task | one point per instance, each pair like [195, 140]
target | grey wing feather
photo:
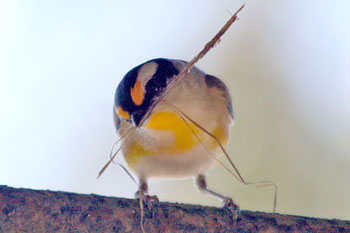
[212, 81]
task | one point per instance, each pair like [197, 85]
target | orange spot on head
[137, 94]
[121, 112]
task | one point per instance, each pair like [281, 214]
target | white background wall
[286, 64]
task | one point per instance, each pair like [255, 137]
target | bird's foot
[234, 208]
[148, 200]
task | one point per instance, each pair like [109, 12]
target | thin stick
[111, 153]
[258, 184]
[115, 154]
[142, 211]
[205, 147]
[127, 172]
[189, 65]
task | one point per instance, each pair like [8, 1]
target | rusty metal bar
[25, 210]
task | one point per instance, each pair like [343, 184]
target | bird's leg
[227, 202]
[147, 199]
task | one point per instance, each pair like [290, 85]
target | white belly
[192, 163]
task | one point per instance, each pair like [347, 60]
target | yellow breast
[185, 137]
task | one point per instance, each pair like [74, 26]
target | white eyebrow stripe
[145, 73]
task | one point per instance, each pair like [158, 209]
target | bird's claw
[229, 204]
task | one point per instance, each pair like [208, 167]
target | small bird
[171, 140]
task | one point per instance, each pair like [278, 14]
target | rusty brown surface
[25, 210]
